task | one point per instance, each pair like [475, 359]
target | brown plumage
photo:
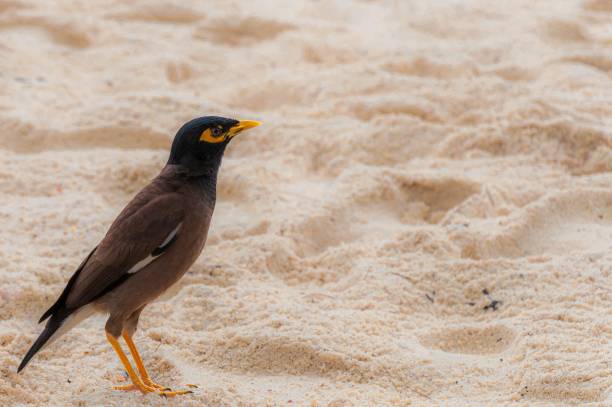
[148, 248]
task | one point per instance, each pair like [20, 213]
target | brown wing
[140, 228]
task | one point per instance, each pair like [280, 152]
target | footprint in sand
[278, 355]
[412, 200]
[569, 223]
[470, 340]
[564, 32]
[562, 224]
[565, 388]
[66, 35]
[581, 148]
[241, 31]
[379, 209]
[437, 196]
[159, 13]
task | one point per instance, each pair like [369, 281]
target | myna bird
[149, 247]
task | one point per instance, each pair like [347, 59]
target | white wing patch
[171, 236]
[141, 264]
[156, 253]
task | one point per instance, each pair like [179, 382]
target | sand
[425, 217]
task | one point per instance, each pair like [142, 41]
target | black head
[200, 143]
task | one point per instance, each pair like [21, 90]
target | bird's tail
[53, 324]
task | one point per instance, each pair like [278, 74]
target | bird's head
[200, 143]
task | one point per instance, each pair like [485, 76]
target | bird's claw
[166, 394]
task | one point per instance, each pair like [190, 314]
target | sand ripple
[424, 219]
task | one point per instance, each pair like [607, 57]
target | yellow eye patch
[207, 136]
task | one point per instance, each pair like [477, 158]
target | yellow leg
[146, 379]
[137, 383]
[146, 382]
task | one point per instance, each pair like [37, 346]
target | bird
[151, 244]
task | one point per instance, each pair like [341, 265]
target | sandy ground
[424, 219]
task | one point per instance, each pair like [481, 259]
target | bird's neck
[201, 177]
[204, 179]
[207, 183]
[193, 167]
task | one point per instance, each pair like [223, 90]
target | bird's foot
[143, 388]
[157, 389]
[167, 391]
[147, 381]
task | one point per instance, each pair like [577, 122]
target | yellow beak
[242, 125]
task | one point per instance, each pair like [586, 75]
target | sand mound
[424, 219]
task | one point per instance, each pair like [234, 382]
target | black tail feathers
[54, 323]
[57, 313]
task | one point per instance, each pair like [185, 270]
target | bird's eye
[213, 135]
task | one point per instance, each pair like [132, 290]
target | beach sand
[425, 217]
